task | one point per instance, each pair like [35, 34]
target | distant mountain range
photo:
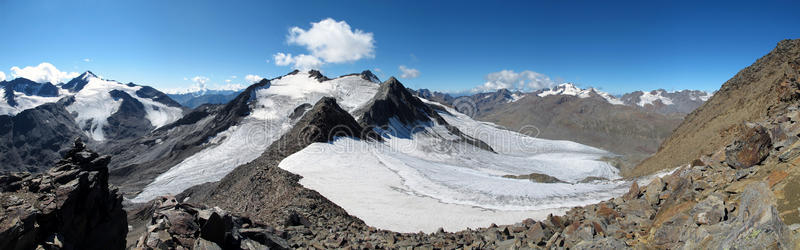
[632, 125]
[206, 96]
[660, 100]
[41, 119]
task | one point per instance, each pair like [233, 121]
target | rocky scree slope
[762, 90]
[68, 207]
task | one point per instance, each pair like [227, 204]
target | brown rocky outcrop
[176, 225]
[68, 207]
[750, 149]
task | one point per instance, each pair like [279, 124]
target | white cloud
[185, 79]
[408, 72]
[327, 41]
[228, 80]
[230, 86]
[508, 79]
[252, 78]
[201, 81]
[301, 62]
[2, 76]
[334, 42]
[44, 72]
[234, 77]
[87, 60]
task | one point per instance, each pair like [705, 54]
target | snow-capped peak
[571, 89]
[565, 89]
[652, 96]
[87, 75]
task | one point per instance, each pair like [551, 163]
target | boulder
[750, 149]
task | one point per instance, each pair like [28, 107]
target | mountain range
[632, 126]
[42, 118]
[307, 161]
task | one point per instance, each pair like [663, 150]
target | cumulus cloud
[201, 81]
[42, 73]
[327, 41]
[87, 60]
[252, 78]
[334, 42]
[2, 76]
[230, 86]
[406, 72]
[301, 62]
[508, 79]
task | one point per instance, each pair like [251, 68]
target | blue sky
[617, 47]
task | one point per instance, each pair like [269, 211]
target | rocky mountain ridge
[68, 207]
[760, 91]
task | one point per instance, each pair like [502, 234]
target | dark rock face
[318, 75]
[68, 207]
[323, 123]
[536, 177]
[177, 225]
[394, 101]
[129, 121]
[366, 75]
[752, 148]
[151, 93]
[77, 83]
[36, 138]
[29, 87]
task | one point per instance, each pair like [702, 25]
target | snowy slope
[94, 105]
[269, 119]
[23, 102]
[433, 184]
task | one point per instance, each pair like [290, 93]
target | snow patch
[650, 98]
[23, 102]
[423, 181]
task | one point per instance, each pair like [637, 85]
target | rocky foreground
[68, 207]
